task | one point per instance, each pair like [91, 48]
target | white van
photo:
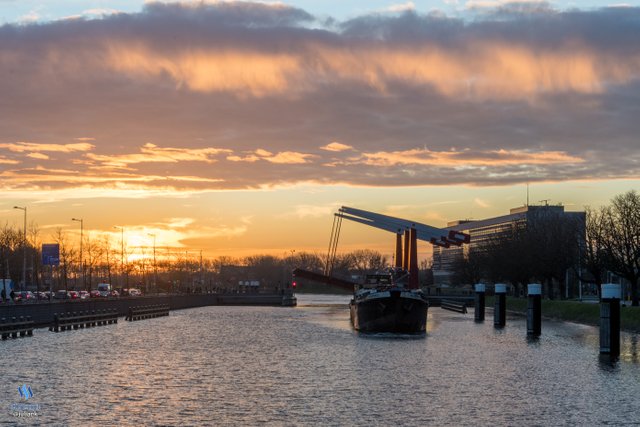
[104, 289]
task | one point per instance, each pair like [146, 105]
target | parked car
[42, 295]
[94, 293]
[114, 293]
[61, 294]
[105, 289]
[27, 296]
[74, 295]
[84, 294]
[133, 292]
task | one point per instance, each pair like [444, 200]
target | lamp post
[24, 248]
[121, 250]
[155, 267]
[80, 220]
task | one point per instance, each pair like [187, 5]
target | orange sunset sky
[238, 128]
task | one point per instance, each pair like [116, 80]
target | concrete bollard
[534, 309]
[479, 302]
[500, 306]
[610, 320]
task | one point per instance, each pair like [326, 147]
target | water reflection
[608, 363]
[306, 366]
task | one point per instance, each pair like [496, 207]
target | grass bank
[575, 311]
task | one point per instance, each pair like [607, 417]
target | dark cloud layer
[240, 95]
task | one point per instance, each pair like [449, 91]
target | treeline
[168, 270]
[552, 247]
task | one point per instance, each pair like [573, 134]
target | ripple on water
[306, 366]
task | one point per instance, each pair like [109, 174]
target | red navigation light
[294, 284]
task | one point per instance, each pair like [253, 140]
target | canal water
[306, 366]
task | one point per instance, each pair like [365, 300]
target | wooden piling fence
[147, 312]
[83, 319]
[16, 327]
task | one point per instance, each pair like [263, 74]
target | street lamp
[121, 249]
[80, 220]
[155, 268]
[24, 248]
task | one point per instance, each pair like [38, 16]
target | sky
[239, 128]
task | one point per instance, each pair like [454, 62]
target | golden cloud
[28, 147]
[289, 157]
[464, 158]
[252, 73]
[336, 147]
[38, 156]
[483, 70]
[151, 153]
[284, 157]
[5, 161]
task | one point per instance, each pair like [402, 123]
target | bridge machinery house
[482, 231]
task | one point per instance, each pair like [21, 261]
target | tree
[66, 256]
[622, 239]
[368, 261]
[593, 254]
[93, 254]
[468, 269]
[508, 256]
[34, 253]
[10, 240]
[551, 243]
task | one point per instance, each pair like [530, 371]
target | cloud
[5, 161]
[285, 157]
[401, 7]
[312, 211]
[22, 147]
[38, 156]
[201, 96]
[99, 12]
[336, 146]
[481, 203]
[465, 158]
[150, 153]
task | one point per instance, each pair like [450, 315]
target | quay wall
[42, 312]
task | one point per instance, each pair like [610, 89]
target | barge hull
[391, 314]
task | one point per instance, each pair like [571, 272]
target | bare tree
[368, 261]
[34, 242]
[93, 254]
[593, 256]
[469, 268]
[622, 239]
[67, 255]
[508, 256]
[552, 244]
[10, 240]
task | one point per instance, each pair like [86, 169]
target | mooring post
[479, 306]
[534, 309]
[500, 306]
[610, 320]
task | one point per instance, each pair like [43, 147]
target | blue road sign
[50, 254]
